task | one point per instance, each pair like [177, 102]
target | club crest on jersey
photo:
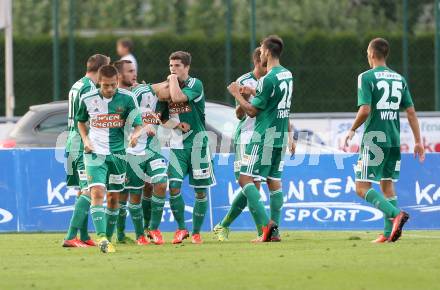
[119, 109]
[179, 108]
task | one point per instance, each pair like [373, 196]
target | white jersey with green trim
[147, 101]
[245, 127]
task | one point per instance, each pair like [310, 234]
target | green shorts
[373, 167]
[263, 162]
[106, 170]
[239, 151]
[195, 162]
[151, 168]
[76, 173]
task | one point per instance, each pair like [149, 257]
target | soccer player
[127, 78]
[189, 151]
[144, 159]
[263, 156]
[110, 112]
[242, 136]
[76, 176]
[124, 48]
[381, 93]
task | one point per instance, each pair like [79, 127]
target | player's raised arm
[177, 96]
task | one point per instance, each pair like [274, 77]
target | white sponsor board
[333, 130]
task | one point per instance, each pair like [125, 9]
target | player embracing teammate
[262, 158]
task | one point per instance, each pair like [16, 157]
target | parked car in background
[45, 125]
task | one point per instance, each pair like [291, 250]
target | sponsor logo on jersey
[151, 118]
[107, 121]
[179, 108]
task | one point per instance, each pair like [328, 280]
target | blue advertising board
[319, 194]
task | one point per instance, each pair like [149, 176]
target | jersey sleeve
[133, 111]
[364, 90]
[264, 90]
[194, 92]
[406, 97]
[83, 114]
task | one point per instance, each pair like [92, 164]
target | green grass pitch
[303, 260]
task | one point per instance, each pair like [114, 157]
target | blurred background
[325, 44]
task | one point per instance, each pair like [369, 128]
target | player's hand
[184, 127]
[246, 92]
[133, 141]
[172, 77]
[419, 151]
[150, 130]
[88, 147]
[348, 137]
[234, 88]
[292, 146]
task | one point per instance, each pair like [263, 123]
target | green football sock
[136, 216]
[157, 203]
[84, 230]
[177, 205]
[258, 223]
[146, 209]
[98, 216]
[120, 223]
[388, 224]
[256, 207]
[111, 215]
[199, 212]
[276, 203]
[238, 205]
[379, 201]
[82, 206]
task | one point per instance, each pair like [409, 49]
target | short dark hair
[185, 57]
[274, 44]
[256, 54]
[127, 43]
[119, 64]
[96, 61]
[107, 71]
[380, 47]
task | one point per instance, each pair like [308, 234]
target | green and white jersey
[81, 87]
[107, 118]
[245, 127]
[273, 99]
[147, 102]
[385, 91]
[191, 112]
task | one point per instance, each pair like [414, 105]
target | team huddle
[113, 150]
